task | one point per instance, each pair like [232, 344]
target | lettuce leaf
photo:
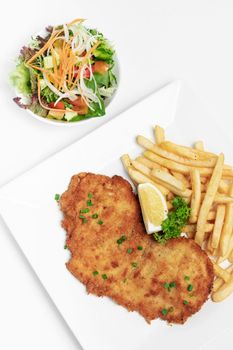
[36, 108]
[104, 52]
[49, 95]
[20, 79]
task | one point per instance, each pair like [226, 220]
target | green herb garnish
[134, 264]
[100, 222]
[95, 216]
[95, 273]
[90, 195]
[168, 286]
[83, 211]
[104, 276]
[121, 240]
[89, 203]
[65, 246]
[185, 302]
[129, 250]
[186, 278]
[140, 247]
[57, 197]
[81, 217]
[176, 220]
[85, 221]
[172, 285]
[190, 287]
[164, 312]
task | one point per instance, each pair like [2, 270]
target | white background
[156, 42]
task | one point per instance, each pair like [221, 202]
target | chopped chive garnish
[190, 287]
[185, 302]
[95, 273]
[95, 216]
[186, 278]
[81, 217]
[134, 264]
[100, 222]
[65, 246]
[57, 197]
[166, 285]
[121, 240]
[85, 221]
[129, 250]
[89, 203]
[104, 276]
[139, 247]
[164, 312]
[90, 195]
[172, 285]
[83, 211]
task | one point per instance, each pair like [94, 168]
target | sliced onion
[66, 32]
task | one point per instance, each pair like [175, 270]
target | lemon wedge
[153, 205]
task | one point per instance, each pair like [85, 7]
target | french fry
[141, 167]
[199, 145]
[220, 258]
[220, 198]
[187, 152]
[126, 161]
[218, 225]
[169, 205]
[230, 258]
[220, 272]
[227, 227]
[196, 195]
[208, 199]
[140, 178]
[211, 216]
[149, 163]
[170, 182]
[224, 291]
[169, 179]
[219, 281]
[182, 178]
[223, 187]
[192, 228]
[159, 134]
[147, 144]
[181, 168]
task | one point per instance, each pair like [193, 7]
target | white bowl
[107, 101]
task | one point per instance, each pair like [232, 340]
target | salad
[66, 75]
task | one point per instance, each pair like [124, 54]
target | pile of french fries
[206, 183]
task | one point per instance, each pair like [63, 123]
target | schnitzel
[113, 256]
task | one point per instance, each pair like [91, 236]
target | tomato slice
[58, 105]
[79, 105]
[100, 67]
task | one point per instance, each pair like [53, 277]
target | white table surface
[157, 42]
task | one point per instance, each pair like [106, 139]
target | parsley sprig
[176, 220]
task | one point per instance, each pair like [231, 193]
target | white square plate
[28, 207]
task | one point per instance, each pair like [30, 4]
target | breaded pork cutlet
[113, 256]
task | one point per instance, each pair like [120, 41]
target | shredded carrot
[77, 20]
[42, 105]
[45, 47]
